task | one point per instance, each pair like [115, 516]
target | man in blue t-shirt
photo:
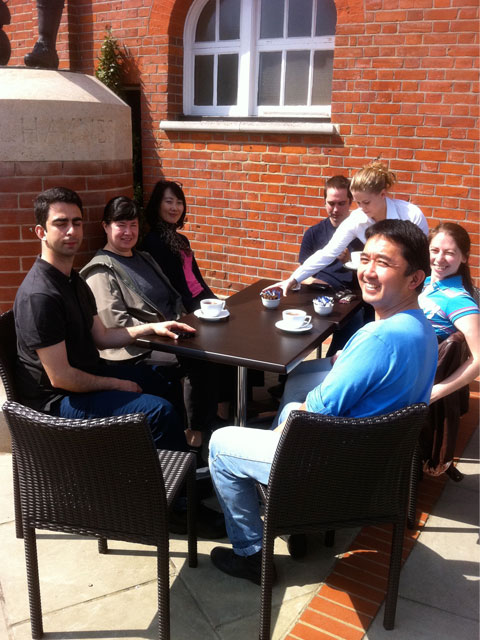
[388, 364]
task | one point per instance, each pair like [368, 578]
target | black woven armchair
[101, 478]
[439, 437]
[330, 473]
[436, 447]
[8, 357]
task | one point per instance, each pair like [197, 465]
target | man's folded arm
[63, 376]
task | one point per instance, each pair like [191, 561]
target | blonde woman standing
[369, 187]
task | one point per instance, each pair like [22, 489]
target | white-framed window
[263, 58]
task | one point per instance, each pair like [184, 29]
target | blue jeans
[239, 457]
[300, 382]
[162, 418]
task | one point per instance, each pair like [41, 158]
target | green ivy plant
[110, 63]
[110, 71]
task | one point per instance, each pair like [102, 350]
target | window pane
[206, 24]
[299, 18]
[271, 18]
[269, 78]
[229, 19]
[326, 18]
[203, 80]
[227, 79]
[296, 77]
[322, 77]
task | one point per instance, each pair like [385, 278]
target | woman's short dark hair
[120, 208]
[152, 211]
[412, 241]
[462, 240]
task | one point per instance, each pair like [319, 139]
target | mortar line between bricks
[356, 580]
[306, 624]
[338, 604]
[332, 617]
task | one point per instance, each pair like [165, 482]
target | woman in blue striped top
[448, 300]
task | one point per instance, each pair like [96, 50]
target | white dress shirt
[354, 227]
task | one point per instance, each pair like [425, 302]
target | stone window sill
[244, 126]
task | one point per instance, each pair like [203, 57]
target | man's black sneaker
[297, 545]
[246, 567]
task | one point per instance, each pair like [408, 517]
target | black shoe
[297, 545]
[210, 523]
[454, 474]
[246, 567]
[277, 390]
[42, 56]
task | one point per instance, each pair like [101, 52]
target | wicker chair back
[331, 472]
[8, 353]
[100, 477]
[439, 437]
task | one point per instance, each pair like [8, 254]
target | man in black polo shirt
[58, 330]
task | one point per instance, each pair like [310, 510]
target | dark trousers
[161, 393]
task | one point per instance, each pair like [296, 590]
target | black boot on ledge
[42, 56]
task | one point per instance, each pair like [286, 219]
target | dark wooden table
[248, 338]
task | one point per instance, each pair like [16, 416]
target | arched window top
[259, 58]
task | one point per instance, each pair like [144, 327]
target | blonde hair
[373, 178]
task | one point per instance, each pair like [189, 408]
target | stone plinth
[57, 116]
[57, 128]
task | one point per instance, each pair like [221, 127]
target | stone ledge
[242, 126]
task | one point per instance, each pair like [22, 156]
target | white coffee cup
[212, 307]
[295, 318]
[355, 256]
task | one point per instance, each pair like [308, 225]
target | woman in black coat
[165, 212]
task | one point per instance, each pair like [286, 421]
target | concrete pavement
[86, 595]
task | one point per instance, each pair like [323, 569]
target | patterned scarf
[174, 241]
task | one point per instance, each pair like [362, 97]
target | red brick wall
[20, 182]
[405, 88]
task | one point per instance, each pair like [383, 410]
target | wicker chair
[8, 356]
[331, 473]
[439, 437]
[99, 478]
[435, 450]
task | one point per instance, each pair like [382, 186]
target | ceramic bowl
[270, 304]
[322, 310]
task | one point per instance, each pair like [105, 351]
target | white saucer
[223, 314]
[283, 326]
[351, 265]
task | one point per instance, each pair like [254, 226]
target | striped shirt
[444, 302]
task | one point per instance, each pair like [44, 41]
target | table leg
[241, 406]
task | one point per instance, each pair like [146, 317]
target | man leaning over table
[388, 364]
[338, 200]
